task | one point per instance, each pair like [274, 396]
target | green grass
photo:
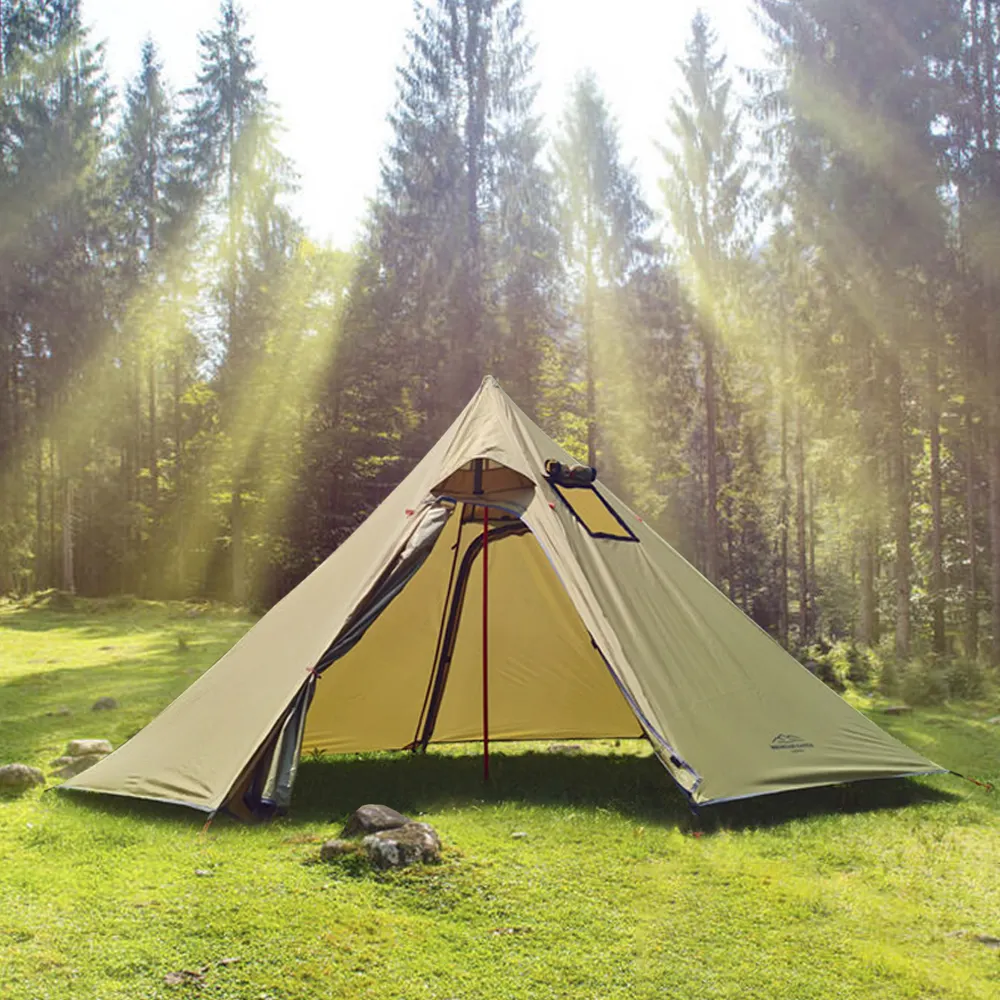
[874, 890]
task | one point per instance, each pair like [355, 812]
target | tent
[501, 593]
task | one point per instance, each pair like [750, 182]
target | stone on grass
[15, 779]
[405, 845]
[565, 748]
[371, 819]
[184, 977]
[995, 721]
[337, 848]
[989, 940]
[897, 710]
[77, 765]
[104, 704]
[62, 710]
[77, 748]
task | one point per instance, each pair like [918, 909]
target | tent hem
[818, 784]
[140, 798]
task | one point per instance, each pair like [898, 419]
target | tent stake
[486, 674]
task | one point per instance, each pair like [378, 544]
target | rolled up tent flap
[270, 790]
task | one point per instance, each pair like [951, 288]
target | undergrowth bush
[843, 664]
[931, 682]
[924, 683]
[966, 679]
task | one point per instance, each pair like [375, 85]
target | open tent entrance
[416, 677]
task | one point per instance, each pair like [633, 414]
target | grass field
[875, 890]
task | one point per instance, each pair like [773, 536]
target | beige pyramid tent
[596, 628]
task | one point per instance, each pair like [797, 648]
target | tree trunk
[588, 340]
[711, 472]
[68, 574]
[731, 587]
[867, 618]
[179, 478]
[972, 584]
[135, 489]
[151, 247]
[475, 125]
[813, 621]
[783, 510]
[237, 359]
[800, 524]
[901, 505]
[989, 384]
[993, 450]
[238, 552]
[936, 587]
[154, 465]
[39, 510]
[53, 572]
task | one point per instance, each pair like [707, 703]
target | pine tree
[57, 223]
[861, 90]
[147, 168]
[706, 193]
[603, 218]
[224, 131]
[458, 269]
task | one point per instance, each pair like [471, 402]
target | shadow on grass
[328, 790]
[637, 787]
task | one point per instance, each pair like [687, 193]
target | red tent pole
[486, 673]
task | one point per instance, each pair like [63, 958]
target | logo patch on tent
[787, 741]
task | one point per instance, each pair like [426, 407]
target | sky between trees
[352, 49]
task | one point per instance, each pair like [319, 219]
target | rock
[78, 765]
[897, 710]
[61, 761]
[372, 819]
[62, 710]
[566, 748]
[405, 845]
[518, 835]
[16, 779]
[103, 704]
[988, 940]
[995, 721]
[337, 848]
[77, 748]
[185, 976]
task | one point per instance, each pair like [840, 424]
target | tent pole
[486, 675]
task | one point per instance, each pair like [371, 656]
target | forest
[786, 360]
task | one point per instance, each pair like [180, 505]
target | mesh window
[594, 512]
